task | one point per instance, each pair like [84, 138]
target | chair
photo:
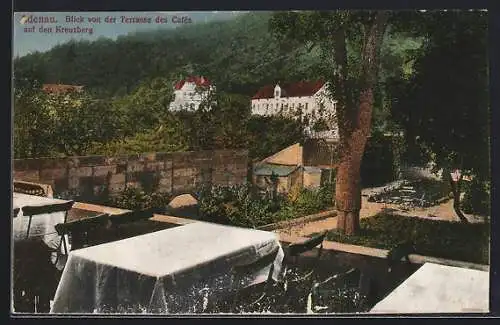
[295, 278]
[82, 231]
[242, 286]
[130, 216]
[118, 221]
[295, 250]
[399, 252]
[15, 212]
[31, 211]
[350, 291]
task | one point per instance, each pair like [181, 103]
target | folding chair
[82, 231]
[31, 211]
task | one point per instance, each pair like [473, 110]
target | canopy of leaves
[445, 104]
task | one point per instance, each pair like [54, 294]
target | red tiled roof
[298, 89]
[199, 81]
[59, 88]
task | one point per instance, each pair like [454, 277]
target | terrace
[357, 272]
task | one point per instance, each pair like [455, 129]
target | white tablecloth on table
[435, 288]
[161, 272]
[42, 226]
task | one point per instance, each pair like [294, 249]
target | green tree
[444, 105]
[146, 106]
[352, 40]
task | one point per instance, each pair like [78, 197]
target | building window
[267, 106]
[307, 104]
[281, 105]
[277, 93]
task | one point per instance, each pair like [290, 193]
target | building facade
[190, 93]
[299, 99]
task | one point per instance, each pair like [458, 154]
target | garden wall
[102, 176]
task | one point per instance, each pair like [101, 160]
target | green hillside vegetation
[239, 55]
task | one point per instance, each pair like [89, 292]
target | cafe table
[165, 272]
[42, 226]
[436, 288]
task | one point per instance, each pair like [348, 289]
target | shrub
[137, 199]
[244, 206]
[451, 240]
[477, 198]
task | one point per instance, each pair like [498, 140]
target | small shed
[287, 176]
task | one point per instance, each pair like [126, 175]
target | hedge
[437, 238]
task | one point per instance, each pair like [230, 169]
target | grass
[444, 239]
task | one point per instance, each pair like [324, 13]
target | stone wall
[93, 176]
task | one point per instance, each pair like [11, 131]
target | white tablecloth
[160, 272]
[437, 288]
[42, 226]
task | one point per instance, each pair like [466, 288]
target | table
[42, 226]
[160, 272]
[435, 288]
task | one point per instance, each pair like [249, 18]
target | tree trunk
[355, 124]
[455, 187]
[348, 184]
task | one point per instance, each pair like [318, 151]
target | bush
[244, 206]
[451, 240]
[477, 198]
[137, 199]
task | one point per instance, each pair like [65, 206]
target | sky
[45, 30]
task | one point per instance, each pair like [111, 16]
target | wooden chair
[350, 291]
[293, 253]
[119, 222]
[84, 232]
[31, 211]
[243, 287]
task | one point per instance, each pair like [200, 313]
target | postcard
[251, 162]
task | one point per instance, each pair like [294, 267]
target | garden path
[443, 211]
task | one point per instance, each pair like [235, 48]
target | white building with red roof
[190, 92]
[309, 98]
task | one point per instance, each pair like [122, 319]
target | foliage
[477, 197]
[137, 199]
[244, 206]
[67, 124]
[451, 240]
[168, 137]
[146, 106]
[270, 134]
[378, 161]
[444, 105]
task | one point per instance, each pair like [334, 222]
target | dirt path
[444, 211]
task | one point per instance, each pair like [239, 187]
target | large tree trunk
[355, 123]
[348, 184]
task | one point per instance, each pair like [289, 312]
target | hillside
[239, 55]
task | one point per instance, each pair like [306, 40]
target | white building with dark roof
[309, 98]
[190, 92]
